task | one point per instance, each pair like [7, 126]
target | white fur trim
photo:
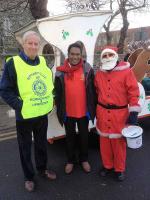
[108, 51]
[135, 109]
[123, 67]
[109, 135]
[114, 135]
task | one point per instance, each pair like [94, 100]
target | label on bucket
[134, 143]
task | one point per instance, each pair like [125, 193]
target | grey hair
[28, 33]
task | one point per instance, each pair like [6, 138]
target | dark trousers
[38, 127]
[70, 128]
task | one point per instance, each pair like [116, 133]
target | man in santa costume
[118, 95]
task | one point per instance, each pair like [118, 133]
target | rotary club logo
[39, 88]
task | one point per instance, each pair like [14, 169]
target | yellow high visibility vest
[35, 84]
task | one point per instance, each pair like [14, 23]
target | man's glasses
[108, 55]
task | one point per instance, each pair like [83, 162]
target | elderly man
[27, 86]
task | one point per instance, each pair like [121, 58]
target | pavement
[78, 185]
[7, 119]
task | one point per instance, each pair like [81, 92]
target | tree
[10, 6]
[38, 8]
[80, 5]
[119, 8]
[13, 15]
[9, 9]
[125, 6]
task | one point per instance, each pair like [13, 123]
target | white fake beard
[109, 63]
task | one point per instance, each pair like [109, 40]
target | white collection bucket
[133, 136]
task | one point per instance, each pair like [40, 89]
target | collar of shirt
[34, 62]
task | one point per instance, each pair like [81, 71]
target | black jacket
[59, 92]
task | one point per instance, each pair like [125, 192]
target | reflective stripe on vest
[7, 59]
[35, 84]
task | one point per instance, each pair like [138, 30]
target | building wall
[136, 38]
[141, 34]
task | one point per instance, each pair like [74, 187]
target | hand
[133, 118]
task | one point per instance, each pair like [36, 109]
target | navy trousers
[37, 126]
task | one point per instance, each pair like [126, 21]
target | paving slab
[78, 185]
[7, 119]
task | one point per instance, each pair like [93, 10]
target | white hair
[29, 33]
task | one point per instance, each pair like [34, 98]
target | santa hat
[110, 49]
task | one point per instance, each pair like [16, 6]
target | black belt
[111, 106]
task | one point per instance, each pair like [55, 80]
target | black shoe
[104, 172]
[120, 176]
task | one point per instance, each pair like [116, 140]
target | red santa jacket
[116, 87]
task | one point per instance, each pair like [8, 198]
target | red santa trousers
[113, 153]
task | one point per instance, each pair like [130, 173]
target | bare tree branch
[119, 8]
[14, 6]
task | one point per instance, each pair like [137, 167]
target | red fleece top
[75, 90]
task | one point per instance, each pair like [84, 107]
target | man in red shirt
[118, 96]
[75, 102]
